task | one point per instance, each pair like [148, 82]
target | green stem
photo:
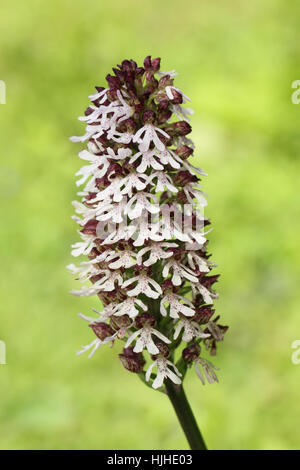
[185, 416]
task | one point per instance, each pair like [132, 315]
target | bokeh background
[237, 60]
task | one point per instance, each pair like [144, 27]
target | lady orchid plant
[142, 229]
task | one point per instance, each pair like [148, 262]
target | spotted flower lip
[140, 218]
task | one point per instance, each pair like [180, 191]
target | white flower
[96, 344]
[90, 130]
[115, 112]
[102, 257]
[182, 112]
[107, 312]
[163, 371]
[128, 307]
[206, 294]
[106, 284]
[180, 272]
[168, 157]
[87, 212]
[191, 330]
[84, 247]
[121, 154]
[143, 285]
[120, 137]
[96, 161]
[124, 259]
[192, 194]
[172, 73]
[156, 252]
[144, 340]
[196, 262]
[163, 181]
[178, 304]
[196, 235]
[150, 135]
[110, 211]
[140, 202]
[147, 161]
[112, 191]
[126, 111]
[141, 230]
[84, 271]
[121, 232]
[99, 94]
[208, 369]
[171, 223]
[133, 181]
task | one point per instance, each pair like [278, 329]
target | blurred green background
[237, 60]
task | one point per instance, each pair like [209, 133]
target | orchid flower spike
[141, 225]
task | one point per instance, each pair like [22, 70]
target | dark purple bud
[208, 281]
[88, 111]
[103, 141]
[114, 170]
[164, 197]
[140, 269]
[184, 152]
[181, 197]
[184, 177]
[119, 74]
[112, 94]
[155, 64]
[215, 330]
[191, 353]
[90, 228]
[102, 330]
[164, 116]
[148, 117]
[147, 63]
[164, 351]
[163, 105]
[113, 82]
[166, 80]
[177, 97]
[151, 86]
[139, 71]
[128, 65]
[129, 125]
[145, 319]
[119, 322]
[132, 361]
[178, 253]
[203, 314]
[178, 128]
[129, 79]
[167, 285]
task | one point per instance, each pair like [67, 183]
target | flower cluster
[142, 227]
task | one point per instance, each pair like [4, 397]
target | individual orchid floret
[144, 284]
[149, 133]
[156, 252]
[203, 367]
[130, 307]
[164, 368]
[177, 305]
[147, 160]
[191, 330]
[180, 272]
[141, 227]
[143, 335]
